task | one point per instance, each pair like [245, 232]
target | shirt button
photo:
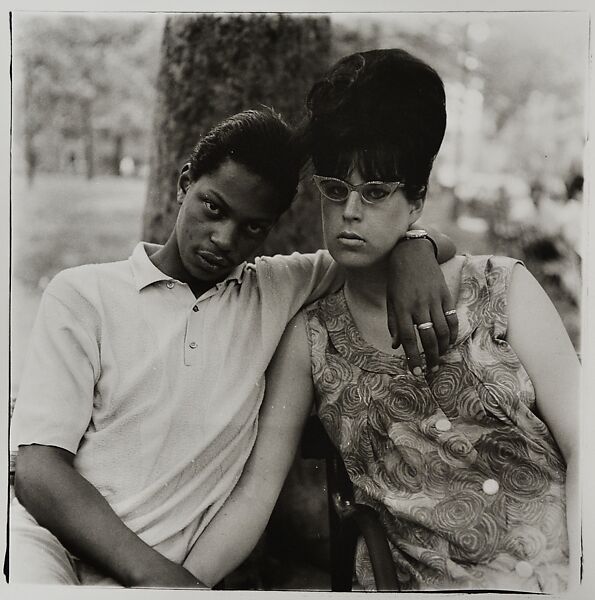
[524, 569]
[443, 425]
[195, 308]
[193, 345]
[490, 487]
[170, 284]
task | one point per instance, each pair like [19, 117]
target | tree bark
[30, 152]
[214, 66]
[117, 154]
[86, 110]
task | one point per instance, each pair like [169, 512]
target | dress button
[524, 569]
[195, 308]
[193, 345]
[443, 425]
[490, 487]
[170, 284]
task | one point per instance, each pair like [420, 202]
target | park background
[106, 108]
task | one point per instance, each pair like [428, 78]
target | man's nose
[224, 236]
[353, 207]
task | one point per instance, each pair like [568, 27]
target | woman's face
[359, 234]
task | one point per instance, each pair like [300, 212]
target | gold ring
[426, 325]
[450, 312]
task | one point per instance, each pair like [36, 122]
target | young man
[139, 402]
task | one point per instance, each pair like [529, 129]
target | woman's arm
[536, 333]
[237, 527]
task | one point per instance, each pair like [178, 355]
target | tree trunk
[30, 152]
[117, 154]
[214, 66]
[86, 110]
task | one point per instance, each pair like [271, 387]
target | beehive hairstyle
[383, 111]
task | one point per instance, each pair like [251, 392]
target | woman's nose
[353, 207]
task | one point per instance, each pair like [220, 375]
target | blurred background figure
[127, 166]
[106, 109]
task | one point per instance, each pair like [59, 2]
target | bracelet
[420, 234]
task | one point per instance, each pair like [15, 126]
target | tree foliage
[81, 79]
[524, 79]
[87, 81]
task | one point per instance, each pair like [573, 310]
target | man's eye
[254, 229]
[211, 207]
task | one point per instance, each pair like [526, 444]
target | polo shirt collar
[145, 273]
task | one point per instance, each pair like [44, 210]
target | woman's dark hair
[261, 141]
[382, 110]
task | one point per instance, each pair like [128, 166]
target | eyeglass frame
[393, 186]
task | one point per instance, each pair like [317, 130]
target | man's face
[224, 218]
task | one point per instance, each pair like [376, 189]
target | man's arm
[52, 413]
[64, 502]
[417, 293]
[446, 247]
[237, 527]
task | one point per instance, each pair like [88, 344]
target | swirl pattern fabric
[468, 480]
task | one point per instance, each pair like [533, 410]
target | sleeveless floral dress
[468, 481]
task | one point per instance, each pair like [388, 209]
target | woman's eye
[376, 193]
[335, 191]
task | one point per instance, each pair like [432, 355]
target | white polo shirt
[155, 391]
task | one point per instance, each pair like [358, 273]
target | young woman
[472, 468]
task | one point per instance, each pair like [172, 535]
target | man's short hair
[261, 141]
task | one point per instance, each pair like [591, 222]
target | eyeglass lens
[338, 190]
